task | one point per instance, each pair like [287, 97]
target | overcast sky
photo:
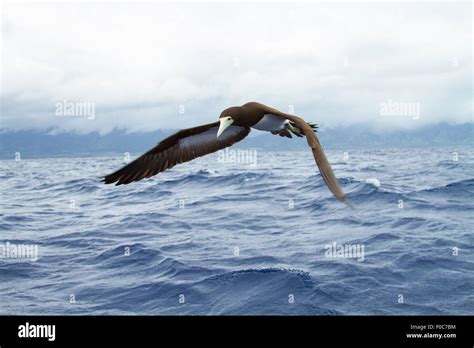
[137, 63]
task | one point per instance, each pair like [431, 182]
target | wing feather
[183, 146]
[318, 153]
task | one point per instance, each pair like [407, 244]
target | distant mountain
[46, 144]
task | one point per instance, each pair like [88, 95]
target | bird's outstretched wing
[183, 146]
[318, 154]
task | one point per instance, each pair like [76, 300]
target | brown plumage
[235, 124]
[174, 150]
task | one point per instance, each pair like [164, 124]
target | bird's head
[225, 121]
[228, 117]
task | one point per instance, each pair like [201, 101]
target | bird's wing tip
[106, 180]
[348, 203]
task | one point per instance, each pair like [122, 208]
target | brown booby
[234, 124]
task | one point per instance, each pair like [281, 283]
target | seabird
[234, 125]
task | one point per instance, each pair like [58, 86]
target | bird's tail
[297, 130]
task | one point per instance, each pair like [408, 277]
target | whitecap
[373, 181]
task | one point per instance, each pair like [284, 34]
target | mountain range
[51, 143]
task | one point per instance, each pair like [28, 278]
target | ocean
[241, 233]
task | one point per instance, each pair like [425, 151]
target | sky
[149, 66]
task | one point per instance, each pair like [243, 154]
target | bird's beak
[225, 122]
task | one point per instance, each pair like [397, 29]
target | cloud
[141, 64]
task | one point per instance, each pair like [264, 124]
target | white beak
[225, 122]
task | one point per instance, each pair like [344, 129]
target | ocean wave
[379, 238]
[132, 249]
[453, 189]
[76, 186]
[214, 177]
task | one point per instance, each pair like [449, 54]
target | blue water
[183, 228]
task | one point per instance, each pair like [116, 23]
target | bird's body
[270, 123]
[234, 124]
